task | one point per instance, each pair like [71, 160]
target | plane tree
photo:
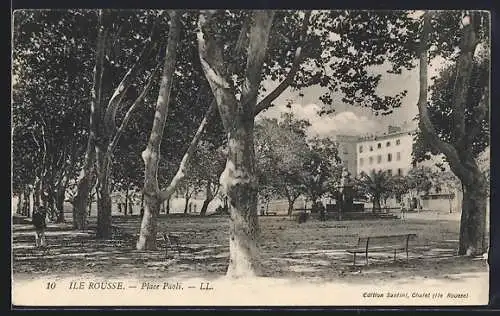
[454, 120]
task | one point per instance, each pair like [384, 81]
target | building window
[388, 144]
[371, 148]
[398, 156]
[379, 145]
[398, 141]
[360, 161]
[389, 157]
[371, 159]
[379, 158]
[400, 172]
[361, 148]
[389, 172]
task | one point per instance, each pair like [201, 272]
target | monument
[345, 200]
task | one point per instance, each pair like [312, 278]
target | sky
[351, 119]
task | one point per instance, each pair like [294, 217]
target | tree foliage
[442, 114]
[420, 179]
[377, 185]
[280, 151]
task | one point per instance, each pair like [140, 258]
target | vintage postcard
[250, 157]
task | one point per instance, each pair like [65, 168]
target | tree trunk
[126, 201]
[238, 178]
[25, 201]
[81, 202]
[103, 214]
[472, 240]
[241, 189]
[51, 203]
[104, 218]
[186, 202]
[168, 206]
[208, 198]
[204, 207]
[59, 201]
[152, 200]
[458, 153]
[376, 204]
[86, 179]
[37, 193]
[30, 197]
[20, 202]
[290, 207]
[90, 200]
[130, 206]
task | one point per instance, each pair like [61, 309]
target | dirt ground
[303, 264]
[313, 250]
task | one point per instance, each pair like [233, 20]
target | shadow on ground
[313, 250]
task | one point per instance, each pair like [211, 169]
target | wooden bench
[380, 244]
[271, 213]
[169, 240]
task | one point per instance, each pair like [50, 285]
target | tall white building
[391, 152]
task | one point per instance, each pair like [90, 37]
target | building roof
[386, 136]
[347, 138]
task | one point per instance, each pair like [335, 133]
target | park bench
[381, 244]
[271, 213]
[169, 240]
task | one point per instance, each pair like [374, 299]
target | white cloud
[346, 122]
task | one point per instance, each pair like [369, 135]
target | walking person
[322, 212]
[403, 210]
[39, 221]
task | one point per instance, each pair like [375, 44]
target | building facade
[389, 152]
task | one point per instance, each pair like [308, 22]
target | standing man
[403, 210]
[322, 212]
[39, 221]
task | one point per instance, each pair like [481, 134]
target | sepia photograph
[250, 157]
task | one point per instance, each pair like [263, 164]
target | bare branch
[241, 39]
[258, 41]
[213, 66]
[95, 105]
[150, 45]
[151, 154]
[181, 172]
[128, 115]
[468, 43]
[217, 187]
[425, 123]
[299, 56]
